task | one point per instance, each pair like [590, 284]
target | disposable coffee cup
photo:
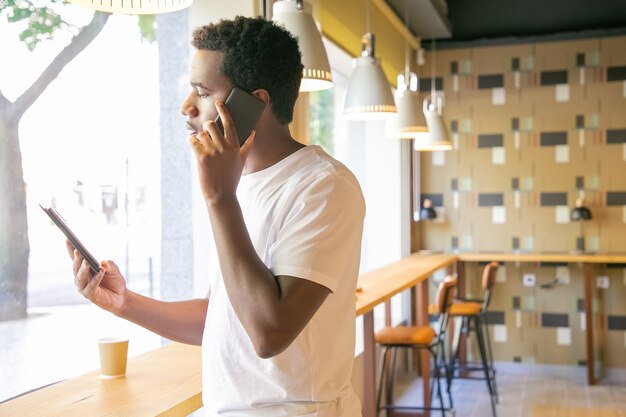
[113, 354]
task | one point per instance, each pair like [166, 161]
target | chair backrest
[443, 301]
[445, 294]
[489, 279]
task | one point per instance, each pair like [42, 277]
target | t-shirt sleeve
[321, 231]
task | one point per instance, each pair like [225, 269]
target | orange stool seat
[468, 308]
[405, 335]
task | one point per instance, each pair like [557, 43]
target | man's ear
[262, 95]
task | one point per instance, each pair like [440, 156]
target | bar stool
[473, 314]
[417, 337]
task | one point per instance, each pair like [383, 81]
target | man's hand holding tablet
[100, 283]
[71, 237]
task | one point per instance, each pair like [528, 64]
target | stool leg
[492, 368]
[392, 375]
[483, 355]
[448, 375]
[459, 325]
[383, 371]
[436, 374]
[445, 363]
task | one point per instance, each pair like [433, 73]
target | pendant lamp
[369, 93]
[438, 138]
[296, 16]
[134, 7]
[411, 123]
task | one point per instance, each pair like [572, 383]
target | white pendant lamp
[411, 123]
[438, 138]
[136, 6]
[369, 93]
[296, 16]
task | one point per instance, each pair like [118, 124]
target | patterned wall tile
[490, 140]
[553, 77]
[490, 199]
[495, 317]
[553, 138]
[616, 322]
[616, 198]
[425, 84]
[616, 73]
[554, 320]
[553, 199]
[615, 136]
[490, 81]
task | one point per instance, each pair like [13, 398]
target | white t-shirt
[305, 218]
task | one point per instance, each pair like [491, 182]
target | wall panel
[539, 147]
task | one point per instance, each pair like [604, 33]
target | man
[277, 327]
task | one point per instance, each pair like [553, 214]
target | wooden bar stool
[417, 337]
[473, 314]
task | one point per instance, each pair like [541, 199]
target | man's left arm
[272, 309]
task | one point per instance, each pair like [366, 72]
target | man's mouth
[190, 129]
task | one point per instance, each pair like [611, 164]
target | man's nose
[188, 108]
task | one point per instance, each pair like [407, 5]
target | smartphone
[245, 110]
[60, 223]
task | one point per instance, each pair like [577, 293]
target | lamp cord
[367, 15]
[406, 44]
[433, 79]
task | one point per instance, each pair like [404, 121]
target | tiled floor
[521, 386]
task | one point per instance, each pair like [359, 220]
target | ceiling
[468, 23]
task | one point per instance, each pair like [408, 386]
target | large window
[90, 148]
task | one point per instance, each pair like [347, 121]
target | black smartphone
[245, 110]
[60, 223]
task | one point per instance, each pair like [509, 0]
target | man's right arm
[181, 321]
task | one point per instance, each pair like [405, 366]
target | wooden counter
[377, 286]
[565, 257]
[164, 382]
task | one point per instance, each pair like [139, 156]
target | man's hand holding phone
[219, 156]
[106, 288]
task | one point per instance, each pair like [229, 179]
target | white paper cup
[113, 354]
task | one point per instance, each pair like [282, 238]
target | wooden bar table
[164, 382]
[587, 260]
[378, 286]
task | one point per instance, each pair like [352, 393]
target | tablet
[60, 223]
